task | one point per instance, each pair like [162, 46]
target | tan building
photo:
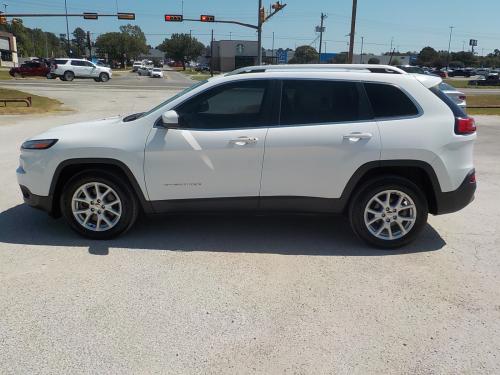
[8, 49]
[234, 54]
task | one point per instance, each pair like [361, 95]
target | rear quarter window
[389, 101]
[457, 111]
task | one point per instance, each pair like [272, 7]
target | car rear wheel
[69, 76]
[99, 205]
[388, 213]
[104, 77]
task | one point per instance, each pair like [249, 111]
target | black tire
[129, 204]
[104, 77]
[69, 76]
[364, 195]
[97, 80]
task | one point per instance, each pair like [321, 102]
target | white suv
[69, 69]
[381, 145]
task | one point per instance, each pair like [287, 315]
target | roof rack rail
[367, 68]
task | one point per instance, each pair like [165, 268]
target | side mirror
[170, 118]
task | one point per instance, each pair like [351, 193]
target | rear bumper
[36, 201]
[453, 201]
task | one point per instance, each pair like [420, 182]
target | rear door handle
[356, 136]
[241, 141]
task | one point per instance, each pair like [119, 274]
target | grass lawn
[197, 76]
[486, 100]
[4, 74]
[40, 104]
[464, 84]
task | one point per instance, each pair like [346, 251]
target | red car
[30, 69]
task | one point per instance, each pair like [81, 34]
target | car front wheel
[99, 205]
[388, 213]
[104, 77]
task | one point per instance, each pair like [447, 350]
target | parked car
[30, 69]
[459, 73]
[482, 72]
[371, 141]
[439, 73]
[492, 79]
[144, 71]
[68, 69]
[457, 96]
[412, 69]
[136, 66]
[202, 68]
[157, 73]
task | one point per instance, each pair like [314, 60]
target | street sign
[90, 16]
[320, 29]
[473, 42]
[281, 56]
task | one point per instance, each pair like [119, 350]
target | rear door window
[388, 101]
[315, 102]
[60, 62]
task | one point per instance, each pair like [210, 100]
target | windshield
[171, 99]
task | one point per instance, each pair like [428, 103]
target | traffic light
[126, 16]
[173, 18]
[278, 6]
[90, 16]
[3, 19]
[207, 18]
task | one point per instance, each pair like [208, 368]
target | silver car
[457, 96]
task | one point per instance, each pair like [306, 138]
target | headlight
[38, 144]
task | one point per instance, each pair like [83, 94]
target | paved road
[124, 81]
[236, 294]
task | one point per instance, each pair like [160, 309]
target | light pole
[5, 7]
[361, 53]
[449, 48]
[67, 27]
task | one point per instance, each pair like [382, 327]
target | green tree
[79, 37]
[129, 43]
[395, 61]
[182, 47]
[304, 55]
[373, 60]
[427, 56]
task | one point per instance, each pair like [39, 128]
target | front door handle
[241, 141]
[356, 136]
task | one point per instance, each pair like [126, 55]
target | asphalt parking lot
[238, 294]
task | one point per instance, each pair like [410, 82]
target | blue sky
[411, 24]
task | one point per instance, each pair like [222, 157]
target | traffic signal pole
[259, 34]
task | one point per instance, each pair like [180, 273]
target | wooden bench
[16, 100]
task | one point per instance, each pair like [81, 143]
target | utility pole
[259, 34]
[5, 7]
[392, 42]
[361, 54]
[353, 30]
[212, 55]
[449, 48]
[321, 29]
[272, 49]
[67, 28]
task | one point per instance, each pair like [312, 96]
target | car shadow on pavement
[272, 234]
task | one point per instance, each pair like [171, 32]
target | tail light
[462, 97]
[472, 178]
[464, 126]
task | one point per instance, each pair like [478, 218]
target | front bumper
[36, 201]
[453, 201]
